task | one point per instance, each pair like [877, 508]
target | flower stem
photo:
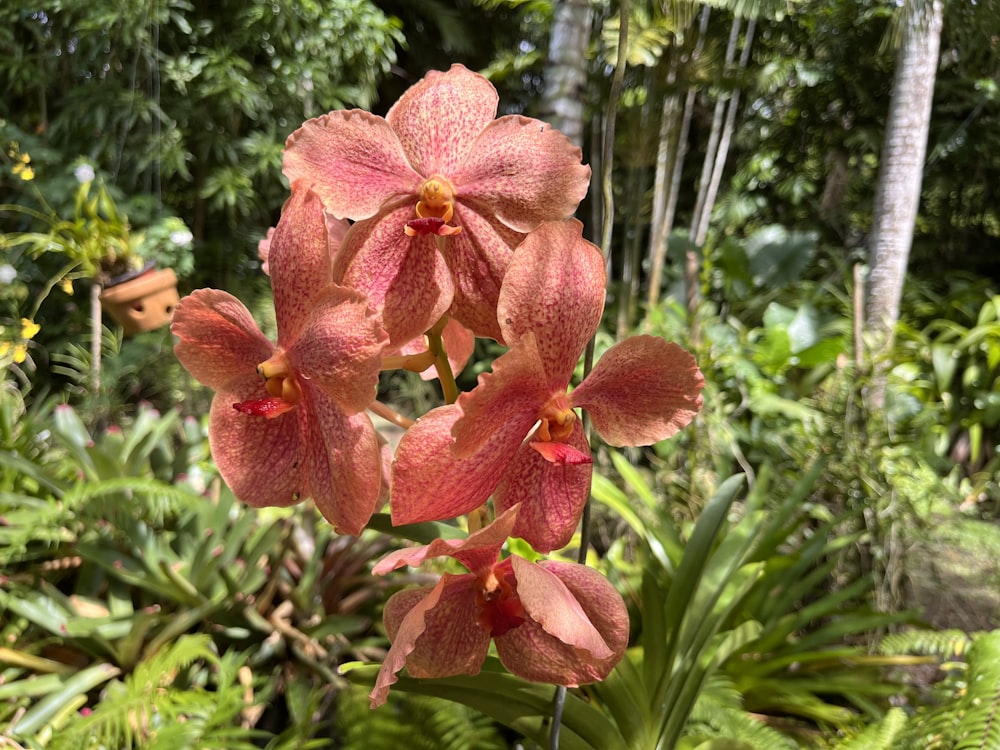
[435, 344]
[412, 362]
[390, 415]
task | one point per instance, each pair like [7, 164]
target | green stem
[435, 344]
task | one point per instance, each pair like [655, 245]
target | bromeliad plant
[461, 220]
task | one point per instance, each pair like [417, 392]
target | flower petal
[559, 643]
[642, 390]
[600, 600]
[554, 287]
[551, 495]
[478, 553]
[262, 460]
[582, 626]
[478, 258]
[353, 160]
[405, 278]
[344, 463]
[525, 171]
[339, 349]
[218, 339]
[505, 402]
[298, 260]
[431, 484]
[434, 633]
[438, 118]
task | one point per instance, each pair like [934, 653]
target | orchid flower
[552, 622]
[288, 421]
[441, 192]
[516, 435]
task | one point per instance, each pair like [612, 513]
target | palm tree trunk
[566, 68]
[711, 177]
[901, 164]
[725, 140]
[675, 124]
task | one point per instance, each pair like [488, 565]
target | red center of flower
[282, 388]
[499, 608]
[557, 419]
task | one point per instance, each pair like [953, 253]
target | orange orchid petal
[550, 496]
[644, 389]
[554, 288]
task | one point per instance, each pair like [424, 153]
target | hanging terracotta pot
[142, 301]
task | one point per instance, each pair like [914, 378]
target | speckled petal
[298, 260]
[525, 171]
[353, 160]
[218, 339]
[642, 390]
[339, 349]
[405, 278]
[554, 287]
[601, 602]
[438, 119]
[478, 258]
[535, 652]
[506, 401]
[551, 496]
[478, 552]
[261, 459]
[344, 463]
[434, 633]
[431, 484]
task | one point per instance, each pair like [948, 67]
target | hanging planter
[143, 300]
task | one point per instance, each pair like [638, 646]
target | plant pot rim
[129, 275]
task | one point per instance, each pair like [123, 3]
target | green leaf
[72, 687]
[523, 706]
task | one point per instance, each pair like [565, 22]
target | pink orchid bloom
[552, 622]
[442, 191]
[288, 421]
[642, 390]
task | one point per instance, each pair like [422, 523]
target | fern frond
[946, 644]
[980, 726]
[413, 721]
[718, 714]
[880, 736]
[104, 499]
[148, 709]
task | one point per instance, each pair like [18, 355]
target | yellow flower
[20, 353]
[67, 286]
[29, 328]
[21, 168]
